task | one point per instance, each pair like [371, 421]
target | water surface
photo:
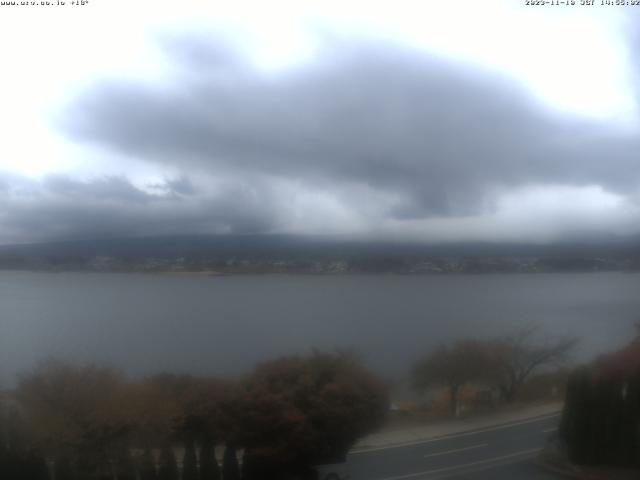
[223, 325]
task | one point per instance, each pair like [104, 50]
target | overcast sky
[430, 121]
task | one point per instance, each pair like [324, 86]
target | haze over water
[223, 325]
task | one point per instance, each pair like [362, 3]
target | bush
[298, 411]
[602, 411]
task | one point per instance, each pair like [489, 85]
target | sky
[408, 120]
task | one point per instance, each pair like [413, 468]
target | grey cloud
[64, 208]
[201, 53]
[104, 188]
[181, 186]
[443, 135]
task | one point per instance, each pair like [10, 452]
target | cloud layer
[367, 138]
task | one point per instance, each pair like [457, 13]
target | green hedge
[601, 419]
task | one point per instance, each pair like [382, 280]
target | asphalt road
[501, 452]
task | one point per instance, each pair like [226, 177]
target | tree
[180, 408]
[29, 465]
[517, 356]
[16, 444]
[201, 404]
[621, 364]
[209, 469]
[602, 409]
[230, 467]
[62, 468]
[168, 469]
[77, 410]
[147, 468]
[250, 471]
[452, 367]
[190, 462]
[297, 411]
[124, 465]
[154, 412]
[33, 467]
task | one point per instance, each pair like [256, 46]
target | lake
[223, 325]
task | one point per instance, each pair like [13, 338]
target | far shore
[216, 273]
[203, 273]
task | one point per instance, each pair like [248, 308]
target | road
[496, 453]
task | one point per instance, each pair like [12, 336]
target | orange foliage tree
[297, 411]
[77, 411]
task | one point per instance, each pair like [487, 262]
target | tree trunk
[230, 467]
[190, 462]
[453, 401]
[168, 465]
[124, 465]
[508, 393]
[209, 469]
[63, 468]
[147, 466]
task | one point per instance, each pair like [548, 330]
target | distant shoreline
[215, 274]
[203, 273]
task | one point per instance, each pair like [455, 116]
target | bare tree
[517, 356]
[452, 367]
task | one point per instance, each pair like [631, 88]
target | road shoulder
[400, 437]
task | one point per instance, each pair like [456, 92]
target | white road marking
[456, 450]
[522, 453]
[456, 435]
[547, 430]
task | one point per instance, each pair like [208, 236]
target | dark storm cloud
[442, 135]
[60, 207]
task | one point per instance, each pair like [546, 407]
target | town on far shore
[397, 264]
